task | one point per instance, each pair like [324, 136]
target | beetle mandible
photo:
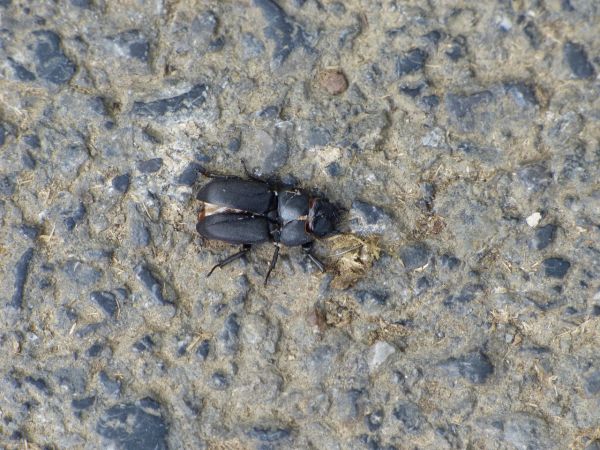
[249, 212]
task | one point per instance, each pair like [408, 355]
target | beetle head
[323, 217]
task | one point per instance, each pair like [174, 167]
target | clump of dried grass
[352, 257]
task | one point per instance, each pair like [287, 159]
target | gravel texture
[463, 134]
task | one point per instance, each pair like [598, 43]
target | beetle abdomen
[235, 228]
[251, 196]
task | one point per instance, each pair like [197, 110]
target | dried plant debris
[429, 225]
[352, 258]
[387, 331]
[337, 312]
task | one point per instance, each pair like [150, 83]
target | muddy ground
[460, 138]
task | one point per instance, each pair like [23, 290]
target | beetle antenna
[248, 173]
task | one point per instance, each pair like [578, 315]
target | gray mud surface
[465, 135]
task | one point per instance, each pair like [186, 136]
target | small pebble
[556, 267]
[423, 284]
[121, 183]
[106, 300]
[415, 255]
[139, 425]
[466, 295]
[476, 367]
[7, 185]
[186, 103]
[112, 387]
[270, 112]
[21, 71]
[229, 336]
[505, 24]
[29, 231]
[152, 282]
[592, 383]
[366, 218]
[534, 219]
[203, 349]
[458, 49]
[372, 297]
[535, 177]
[334, 169]
[577, 59]
[594, 445]
[433, 36]
[83, 403]
[81, 273]
[449, 261]
[268, 434]
[410, 416]
[32, 141]
[52, 64]
[143, 345]
[374, 420]
[378, 353]
[431, 101]
[139, 233]
[28, 160]
[533, 34]
[39, 384]
[411, 61]
[252, 47]
[150, 165]
[219, 381]
[234, 145]
[544, 236]
[95, 350]
[333, 81]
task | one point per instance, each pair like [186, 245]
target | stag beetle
[249, 212]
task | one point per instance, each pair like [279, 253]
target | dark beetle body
[250, 212]
[235, 211]
[245, 195]
[235, 228]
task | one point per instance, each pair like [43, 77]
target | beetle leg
[208, 174]
[248, 173]
[307, 249]
[273, 262]
[245, 249]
